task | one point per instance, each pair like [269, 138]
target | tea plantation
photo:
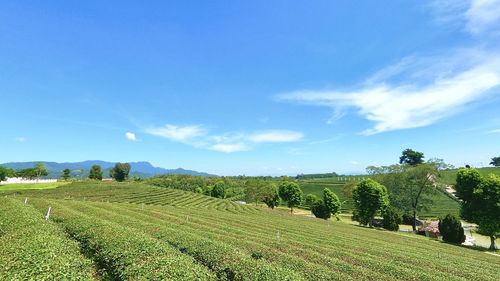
[131, 231]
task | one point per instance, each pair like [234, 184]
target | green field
[449, 177]
[22, 186]
[136, 232]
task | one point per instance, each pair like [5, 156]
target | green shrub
[451, 229]
[392, 219]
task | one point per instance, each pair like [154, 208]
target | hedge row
[34, 249]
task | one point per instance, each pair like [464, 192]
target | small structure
[107, 179]
[430, 229]
[23, 180]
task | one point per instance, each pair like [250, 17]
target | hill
[131, 231]
[81, 169]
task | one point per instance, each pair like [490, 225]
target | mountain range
[81, 169]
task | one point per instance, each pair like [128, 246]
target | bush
[407, 219]
[392, 219]
[310, 200]
[320, 210]
[451, 229]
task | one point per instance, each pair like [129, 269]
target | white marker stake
[278, 236]
[48, 214]
[25, 200]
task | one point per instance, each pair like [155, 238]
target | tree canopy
[120, 171]
[369, 198]
[495, 161]
[411, 157]
[291, 193]
[480, 201]
[95, 172]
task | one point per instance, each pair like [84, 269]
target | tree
[66, 174]
[495, 161]
[310, 200]
[480, 201]
[411, 187]
[3, 173]
[324, 208]
[392, 219]
[219, 190]
[291, 193]
[369, 198]
[271, 196]
[40, 170]
[120, 171]
[451, 229]
[411, 157]
[96, 172]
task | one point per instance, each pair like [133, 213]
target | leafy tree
[392, 219]
[219, 190]
[411, 157]
[120, 171]
[96, 172]
[324, 208]
[291, 193]
[451, 229]
[320, 210]
[3, 173]
[198, 190]
[40, 170]
[66, 174]
[271, 196]
[369, 197]
[411, 187]
[480, 201]
[311, 199]
[495, 161]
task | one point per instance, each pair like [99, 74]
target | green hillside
[449, 176]
[136, 232]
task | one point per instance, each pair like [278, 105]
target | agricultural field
[21, 186]
[449, 176]
[131, 231]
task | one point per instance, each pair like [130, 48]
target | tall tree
[411, 157]
[291, 193]
[326, 207]
[369, 198]
[270, 195]
[480, 201]
[219, 190]
[3, 173]
[95, 172]
[495, 161]
[66, 174]
[411, 187]
[40, 170]
[120, 171]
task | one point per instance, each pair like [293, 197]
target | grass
[23, 186]
[449, 176]
[218, 239]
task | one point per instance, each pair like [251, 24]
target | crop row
[34, 249]
[315, 249]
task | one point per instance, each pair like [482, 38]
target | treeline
[29, 173]
[317, 176]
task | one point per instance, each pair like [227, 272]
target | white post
[278, 236]
[48, 213]
[25, 200]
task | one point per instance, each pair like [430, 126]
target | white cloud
[354, 163]
[477, 16]
[130, 136]
[229, 147]
[408, 97]
[177, 133]
[20, 139]
[199, 137]
[276, 136]
[495, 131]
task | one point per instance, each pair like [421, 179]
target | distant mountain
[81, 169]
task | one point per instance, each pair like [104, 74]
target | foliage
[219, 190]
[480, 201]
[331, 201]
[33, 173]
[3, 173]
[95, 172]
[270, 196]
[257, 190]
[320, 210]
[34, 249]
[67, 174]
[451, 229]
[369, 197]
[495, 161]
[291, 193]
[310, 199]
[392, 219]
[120, 171]
[411, 157]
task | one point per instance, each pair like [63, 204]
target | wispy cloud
[476, 16]
[495, 131]
[276, 136]
[199, 137]
[177, 133]
[407, 96]
[20, 139]
[130, 136]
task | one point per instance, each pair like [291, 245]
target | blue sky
[254, 87]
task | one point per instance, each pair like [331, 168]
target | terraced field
[137, 232]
